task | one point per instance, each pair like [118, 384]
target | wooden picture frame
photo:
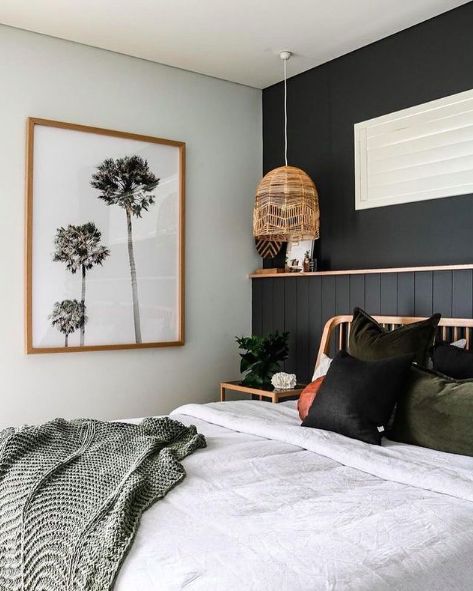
[35, 341]
[296, 250]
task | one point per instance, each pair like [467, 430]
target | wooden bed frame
[338, 327]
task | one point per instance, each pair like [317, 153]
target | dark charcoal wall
[302, 305]
[428, 61]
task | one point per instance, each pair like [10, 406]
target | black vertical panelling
[257, 306]
[278, 306]
[388, 305]
[443, 292]
[302, 305]
[315, 320]
[267, 311]
[405, 294]
[373, 293]
[328, 298]
[342, 294]
[342, 297]
[302, 328]
[357, 291]
[462, 294]
[423, 293]
[290, 320]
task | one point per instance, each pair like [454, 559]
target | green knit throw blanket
[72, 494]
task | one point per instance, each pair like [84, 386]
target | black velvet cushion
[435, 411]
[357, 396]
[452, 361]
[370, 341]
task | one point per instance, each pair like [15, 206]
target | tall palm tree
[128, 183]
[79, 247]
[67, 316]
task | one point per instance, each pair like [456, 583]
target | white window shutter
[424, 152]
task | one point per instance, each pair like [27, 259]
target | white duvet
[272, 506]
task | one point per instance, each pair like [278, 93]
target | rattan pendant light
[287, 203]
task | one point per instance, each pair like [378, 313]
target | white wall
[221, 124]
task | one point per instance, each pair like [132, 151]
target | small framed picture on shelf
[297, 251]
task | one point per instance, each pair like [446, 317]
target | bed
[273, 506]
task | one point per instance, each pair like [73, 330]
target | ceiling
[235, 40]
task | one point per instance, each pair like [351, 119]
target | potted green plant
[261, 357]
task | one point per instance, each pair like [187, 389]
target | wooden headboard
[337, 330]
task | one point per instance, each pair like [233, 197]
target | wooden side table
[274, 395]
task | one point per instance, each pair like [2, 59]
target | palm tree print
[67, 316]
[80, 249]
[128, 183]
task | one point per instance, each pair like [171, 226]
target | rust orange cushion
[307, 397]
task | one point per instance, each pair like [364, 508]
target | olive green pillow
[435, 411]
[369, 341]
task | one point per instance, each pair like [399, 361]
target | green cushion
[369, 341]
[435, 411]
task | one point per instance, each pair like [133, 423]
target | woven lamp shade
[286, 206]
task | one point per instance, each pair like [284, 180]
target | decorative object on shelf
[261, 358]
[267, 249]
[313, 265]
[104, 240]
[306, 262]
[296, 254]
[284, 381]
[287, 203]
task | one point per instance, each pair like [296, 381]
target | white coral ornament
[284, 381]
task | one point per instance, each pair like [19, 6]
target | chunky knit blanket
[72, 494]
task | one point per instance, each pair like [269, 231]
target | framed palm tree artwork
[104, 239]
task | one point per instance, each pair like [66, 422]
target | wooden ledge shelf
[365, 271]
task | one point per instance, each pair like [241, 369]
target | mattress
[272, 506]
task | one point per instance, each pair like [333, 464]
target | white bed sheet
[272, 506]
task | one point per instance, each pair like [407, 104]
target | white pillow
[461, 343]
[322, 367]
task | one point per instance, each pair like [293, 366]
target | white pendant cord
[285, 55]
[285, 110]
